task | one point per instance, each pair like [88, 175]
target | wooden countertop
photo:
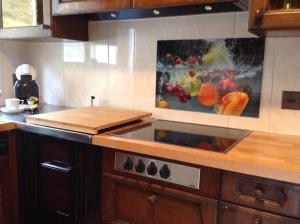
[269, 155]
[6, 126]
[88, 120]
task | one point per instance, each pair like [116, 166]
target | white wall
[11, 54]
[118, 66]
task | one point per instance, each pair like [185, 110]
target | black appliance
[26, 88]
[195, 136]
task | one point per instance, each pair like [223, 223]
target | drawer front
[261, 193]
[57, 190]
[126, 200]
[233, 214]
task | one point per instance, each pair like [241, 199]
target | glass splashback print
[222, 76]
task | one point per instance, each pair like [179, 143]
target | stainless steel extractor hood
[204, 8]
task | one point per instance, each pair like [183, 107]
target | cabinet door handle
[257, 220]
[152, 199]
[54, 165]
[259, 194]
[258, 17]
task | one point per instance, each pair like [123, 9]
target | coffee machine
[26, 88]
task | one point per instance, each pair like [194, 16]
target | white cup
[12, 104]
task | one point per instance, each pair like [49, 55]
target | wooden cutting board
[89, 120]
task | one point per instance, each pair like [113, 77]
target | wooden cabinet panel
[260, 193]
[233, 214]
[263, 17]
[168, 3]
[71, 7]
[126, 200]
[58, 182]
[5, 205]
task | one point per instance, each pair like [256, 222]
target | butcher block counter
[6, 126]
[273, 156]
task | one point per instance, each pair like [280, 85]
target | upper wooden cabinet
[274, 15]
[32, 19]
[167, 3]
[71, 7]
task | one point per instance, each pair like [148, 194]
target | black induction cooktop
[198, 137]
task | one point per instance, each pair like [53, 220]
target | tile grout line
[272, 84]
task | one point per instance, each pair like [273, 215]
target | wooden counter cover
[86, 119]
[268, 155]
[6, 126]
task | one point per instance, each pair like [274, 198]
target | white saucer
[24, 106]
[5, 110]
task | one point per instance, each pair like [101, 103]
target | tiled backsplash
[118, 66]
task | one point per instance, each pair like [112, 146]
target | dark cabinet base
[59, 181]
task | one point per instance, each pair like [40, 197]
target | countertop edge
[230, 161]
[7, 126]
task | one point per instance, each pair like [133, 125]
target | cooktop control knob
[128, 164]
[140, 166]
[152, 169]
[165, 172]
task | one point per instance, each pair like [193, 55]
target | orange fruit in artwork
[163, 104]
[233, 103]
[208, 95]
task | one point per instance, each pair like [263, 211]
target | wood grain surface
[268, 155]
[6, 126]
[86, 119]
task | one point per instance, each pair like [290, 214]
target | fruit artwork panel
[221, 76]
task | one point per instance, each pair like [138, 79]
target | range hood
[204, 8]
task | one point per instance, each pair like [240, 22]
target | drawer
[269, 195]
[130, 201]
[56, 191]
[233, 214]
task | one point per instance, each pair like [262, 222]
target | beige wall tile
[147, 32]
[286, 77]
[121, 64]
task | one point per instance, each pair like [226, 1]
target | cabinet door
[267, 15]
[4, 190]
[131, 201]
[168, 3]
[233, 214]
[71, 7]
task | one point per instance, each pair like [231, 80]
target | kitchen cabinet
[168, 3]
[125, 200]
[71, 7]
[59, 184]
[4, 190]
[32, 19]
[234, 214]
[9, 207]
[260, 193]
[265, 15]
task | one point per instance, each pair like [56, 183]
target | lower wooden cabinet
[5, 204]
[130, 201]
[58, 181]
[9, 206]
[233, 214]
